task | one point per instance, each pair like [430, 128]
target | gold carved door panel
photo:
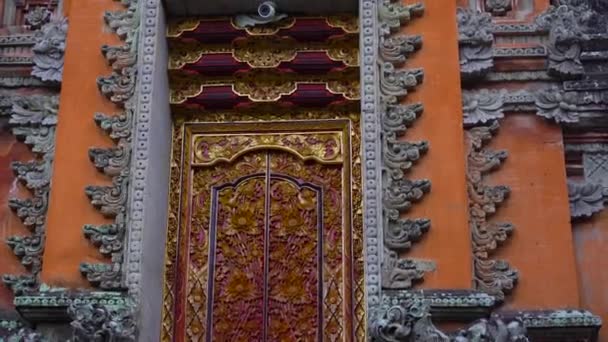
[266, 235]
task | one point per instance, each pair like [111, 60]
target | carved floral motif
[586, 198]
[475, 41]
[49, 50]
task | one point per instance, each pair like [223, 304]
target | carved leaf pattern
[329, 178]
[293, 262]
[239, 262]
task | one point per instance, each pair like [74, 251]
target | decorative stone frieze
[494, 277]
[49, 50]
[398, 156]
[552, 103]
[475, 39]
[115, 162]
[32, 119]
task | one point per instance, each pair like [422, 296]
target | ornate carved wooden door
[265, 248]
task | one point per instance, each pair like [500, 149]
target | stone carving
[49, 50]
[586, 198]
[104, 276]
[498, 7]
[571, 23]
[475, 41]
[494, 277]
[398, 156]
[32, 119]
[20, 284]
[108, 237]
[115, 162]
[38, 16]
[411, 321]
[109, 199]
[554, 104]
[482, 106]
[99, 322]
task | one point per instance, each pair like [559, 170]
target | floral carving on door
[265, 247]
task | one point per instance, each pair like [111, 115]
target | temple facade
[290, 170]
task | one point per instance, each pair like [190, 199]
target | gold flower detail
[239, 287]
[291, 289]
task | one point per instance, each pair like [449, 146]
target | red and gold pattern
[281, 233]
[303, 61]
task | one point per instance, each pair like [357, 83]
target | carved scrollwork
[393, 14]
[397, 83]
[119, 87]
[31, 211]
[112, 161]
[103, 276]
[98, 322]
[554, 104]
[119, 57]
[397, 49]
[115, 161]
[29, 250]
[110, 200]
[117, 126]
[49, 50]
[20, 284]
[122, 22]
[586, 198]
[483, 106]
[495, 277]
[398, 156]
[475, 41]
[108, 237]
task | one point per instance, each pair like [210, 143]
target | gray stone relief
[49, 50]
